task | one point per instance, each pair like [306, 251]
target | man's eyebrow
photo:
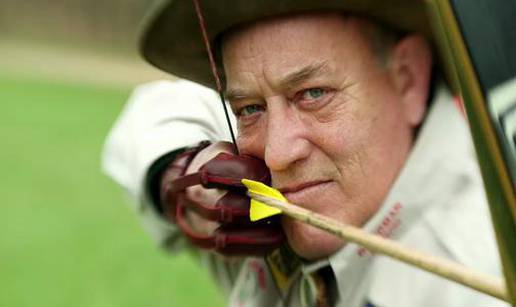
[305, 73]
[289, 81]
[235, 94]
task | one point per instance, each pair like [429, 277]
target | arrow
[269, 201]
[260, 210]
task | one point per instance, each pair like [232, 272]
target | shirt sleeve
[159, 118]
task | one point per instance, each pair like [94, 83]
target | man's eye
[313, 93]
[250, 110]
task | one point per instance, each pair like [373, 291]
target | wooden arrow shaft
[447, 269]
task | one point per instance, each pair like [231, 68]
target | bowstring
[269, 258]
[214, 70]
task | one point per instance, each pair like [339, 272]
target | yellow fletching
[258, 209]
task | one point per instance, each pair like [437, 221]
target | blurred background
[67, 235]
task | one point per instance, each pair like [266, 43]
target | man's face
[313, 101]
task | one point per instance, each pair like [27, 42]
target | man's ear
[411, 66]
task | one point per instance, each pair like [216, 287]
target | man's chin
[309, 242]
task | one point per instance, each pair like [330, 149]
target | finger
[200, 224]
[207, 197]
[207, 154]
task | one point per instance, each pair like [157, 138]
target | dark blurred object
[489, 30]
[478, 38]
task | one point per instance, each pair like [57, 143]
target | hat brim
[172, 39]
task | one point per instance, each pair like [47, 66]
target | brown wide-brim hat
[172, 39]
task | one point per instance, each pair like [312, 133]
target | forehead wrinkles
[241, 57]
[270, 48]
[253, 51]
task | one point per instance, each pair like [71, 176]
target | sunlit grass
[67, 237]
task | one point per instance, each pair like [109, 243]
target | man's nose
[286, 141]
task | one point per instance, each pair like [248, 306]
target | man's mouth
[297, 192]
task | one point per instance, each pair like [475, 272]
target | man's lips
[302, 186]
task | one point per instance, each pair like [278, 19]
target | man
[335, 103]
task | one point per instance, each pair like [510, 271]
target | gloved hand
[201, 192]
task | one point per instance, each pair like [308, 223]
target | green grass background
[67, 236]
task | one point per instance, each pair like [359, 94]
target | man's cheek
[252, 141]
[248, 146]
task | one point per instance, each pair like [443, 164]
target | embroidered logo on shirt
[389, 224]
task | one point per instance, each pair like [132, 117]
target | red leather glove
[236, 234]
